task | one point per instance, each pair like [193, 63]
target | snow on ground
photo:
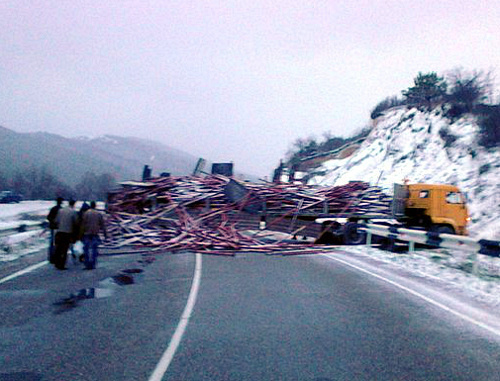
[13, 215]
[17, 245]
[28, 213]
[409, 145]
[480, 282]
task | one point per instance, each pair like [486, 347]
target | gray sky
[227, 80]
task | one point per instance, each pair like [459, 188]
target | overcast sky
[228, 80]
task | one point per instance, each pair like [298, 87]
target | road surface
[248, 317]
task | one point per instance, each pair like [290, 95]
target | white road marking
[168, 355]
[417, 294]
[22, 272]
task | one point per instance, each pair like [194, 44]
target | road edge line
[168, 355]
[22, 272]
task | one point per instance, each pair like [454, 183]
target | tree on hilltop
[468, 89]
[429, 88]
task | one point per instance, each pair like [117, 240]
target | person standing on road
[93, 224]
[53, 226]
[67, 221]
[83, 209]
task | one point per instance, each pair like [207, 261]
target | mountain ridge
[69, 158]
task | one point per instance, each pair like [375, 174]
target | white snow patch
[22, 244]
[453, 268]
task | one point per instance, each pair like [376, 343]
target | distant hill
[69, 158]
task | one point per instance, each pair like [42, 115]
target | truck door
[453, 207]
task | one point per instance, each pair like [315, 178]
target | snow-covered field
[12, 215]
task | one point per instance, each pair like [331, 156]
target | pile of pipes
[220, 215]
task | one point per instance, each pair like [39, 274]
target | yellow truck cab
[438, 207]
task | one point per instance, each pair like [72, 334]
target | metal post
[263, 216]
[368, 238]
[475, 265]
[411, 249]
[294, 219]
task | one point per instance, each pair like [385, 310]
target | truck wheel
[352, 236]
[388, 244]
[443, 229]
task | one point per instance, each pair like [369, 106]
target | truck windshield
[454, 198]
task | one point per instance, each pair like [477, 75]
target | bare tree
[468, 89]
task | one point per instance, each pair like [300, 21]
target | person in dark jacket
[93, 223]
[51, 217]
[67, 222]
[83, 209]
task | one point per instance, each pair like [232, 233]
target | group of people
[67, 226]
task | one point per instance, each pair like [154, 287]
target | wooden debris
[195, 213]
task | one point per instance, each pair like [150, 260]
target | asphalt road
[256, 317]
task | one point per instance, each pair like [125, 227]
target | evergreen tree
[429, 88]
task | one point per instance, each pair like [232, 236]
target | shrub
[489, 128]
[301, 148]
[455, 111]
[484, 168]
[306, 147]
[386, 104]
[332, 143]
[467, 90]
[447, 137]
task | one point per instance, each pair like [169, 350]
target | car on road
[7, 197]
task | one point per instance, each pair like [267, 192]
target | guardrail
[26, 226]
[450, 241]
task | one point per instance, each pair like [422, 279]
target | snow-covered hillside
[407, 144]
